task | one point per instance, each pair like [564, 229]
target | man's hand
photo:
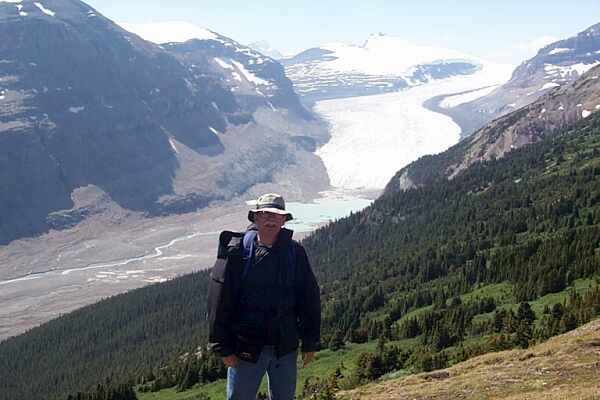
[307, 358]
[231, 361]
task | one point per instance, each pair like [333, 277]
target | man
[263, 299]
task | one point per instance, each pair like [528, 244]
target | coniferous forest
[530, 220]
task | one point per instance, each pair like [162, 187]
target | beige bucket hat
[270, 202]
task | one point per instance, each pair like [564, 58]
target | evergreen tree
[337, 341]
[441, 338]
[525, 313]
[499, 318]
[523, 334]
[568, 322]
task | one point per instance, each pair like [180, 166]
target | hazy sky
[504, 31]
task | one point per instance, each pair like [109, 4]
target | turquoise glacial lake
[309, 216]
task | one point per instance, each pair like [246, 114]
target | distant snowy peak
[381, 64]
[265, 48]
[180, 32]
[561, 62]
[557, 64]
[593, 30]
[387, 55]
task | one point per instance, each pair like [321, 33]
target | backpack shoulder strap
[248, 251]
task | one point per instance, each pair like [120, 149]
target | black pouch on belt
[248, 348]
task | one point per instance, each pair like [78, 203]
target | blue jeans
[244, 379]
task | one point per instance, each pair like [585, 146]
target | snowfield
[372, 137]
[170, 31]
[381, 62]
[385, 55]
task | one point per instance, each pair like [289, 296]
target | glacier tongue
[375, 136]
[372, 137]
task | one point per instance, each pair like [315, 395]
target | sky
[507, 31]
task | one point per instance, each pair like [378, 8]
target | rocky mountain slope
[252, 75]
[555, 65]
[85, 103]
[256, 80]
[556, 110]
[563, 367]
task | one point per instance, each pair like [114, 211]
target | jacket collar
[283, 238]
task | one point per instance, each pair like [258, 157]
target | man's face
[268, 222]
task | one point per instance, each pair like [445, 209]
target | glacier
[372, 137]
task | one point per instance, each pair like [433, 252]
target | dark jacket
[301, 321]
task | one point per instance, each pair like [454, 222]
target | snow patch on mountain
[44, 9]
[18, 5]
[249, 75]
[173, 145]
[549, 85]
[453, 101]
[582, 68]
[223, 64]
[558, 71]
[76, 110]
[559, 50]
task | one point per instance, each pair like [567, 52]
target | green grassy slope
[328, 361]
